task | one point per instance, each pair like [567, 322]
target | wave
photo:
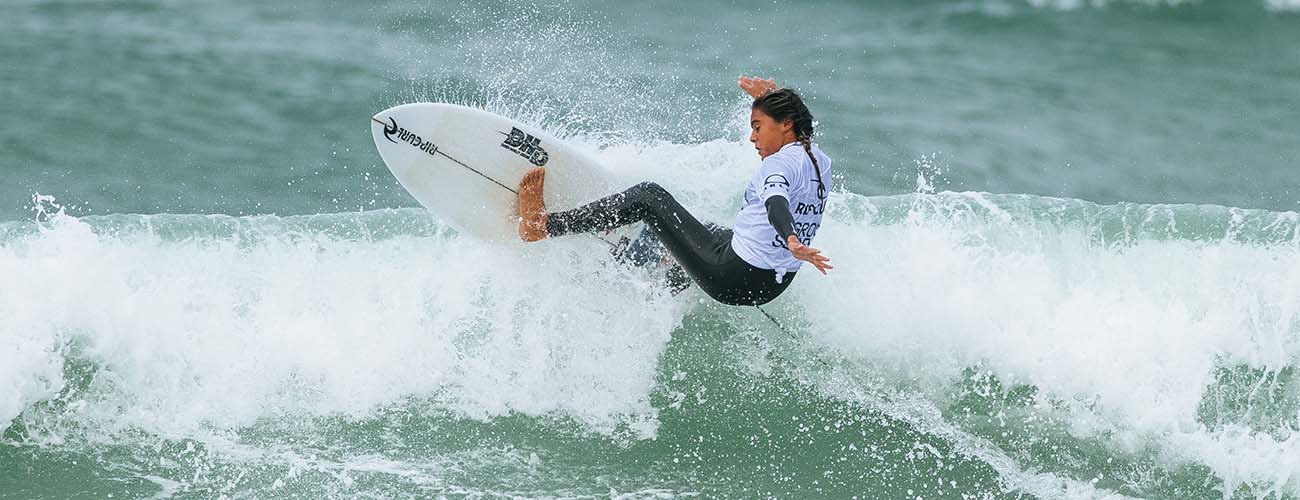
[1159, 343]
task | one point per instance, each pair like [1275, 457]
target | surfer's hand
[808, 254]
[756, 87]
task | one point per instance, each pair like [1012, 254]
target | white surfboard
[464, 164]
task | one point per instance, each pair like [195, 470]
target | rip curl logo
[526, 146]
[802, 208]
[775, 180]
[391, 129]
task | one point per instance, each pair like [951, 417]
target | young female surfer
[755, 262]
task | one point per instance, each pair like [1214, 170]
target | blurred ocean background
[1065, 233]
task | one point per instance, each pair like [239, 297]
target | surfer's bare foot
[532, 209]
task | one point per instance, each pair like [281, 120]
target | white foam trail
[212, 332]
[1128, 337]
[922, 414]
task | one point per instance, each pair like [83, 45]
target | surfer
[755, 262]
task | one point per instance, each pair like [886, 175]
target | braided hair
[785, 104]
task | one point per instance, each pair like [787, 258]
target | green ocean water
[1065, 234]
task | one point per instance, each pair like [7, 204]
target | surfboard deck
[464, 165]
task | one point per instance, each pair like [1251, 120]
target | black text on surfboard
[408, 137]
[527, 146]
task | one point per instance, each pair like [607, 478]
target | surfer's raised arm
[756, 87]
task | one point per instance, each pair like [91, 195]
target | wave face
[967, 344]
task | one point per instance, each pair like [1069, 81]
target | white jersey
[787, 173]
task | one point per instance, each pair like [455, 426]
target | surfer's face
[767, 134]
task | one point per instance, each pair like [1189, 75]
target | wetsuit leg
[645, 251]
[704, 252]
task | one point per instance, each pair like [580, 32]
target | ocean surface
[1065, 234]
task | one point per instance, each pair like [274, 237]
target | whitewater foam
[1124, 337]
[1118, 316]
[209, 331]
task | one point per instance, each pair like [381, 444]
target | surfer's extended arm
[778, 214]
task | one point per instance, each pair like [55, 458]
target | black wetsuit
[703, 250]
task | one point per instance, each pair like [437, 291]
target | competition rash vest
[787, 173]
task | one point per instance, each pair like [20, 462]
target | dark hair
[785, 104]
